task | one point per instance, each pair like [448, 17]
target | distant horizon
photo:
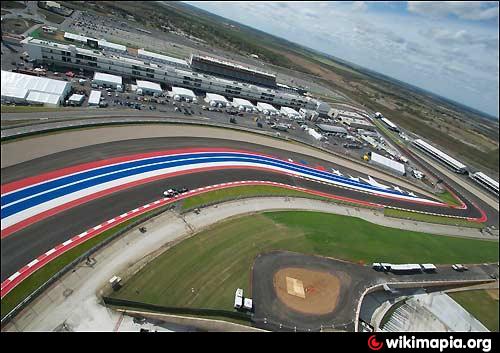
[446, 72]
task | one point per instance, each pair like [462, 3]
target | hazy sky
[450, 48]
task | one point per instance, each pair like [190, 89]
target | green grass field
[243, 192]
[422, 217]
[218, 260]
[448, 198]
[480, 304]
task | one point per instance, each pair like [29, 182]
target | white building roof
[108, 45]
[76, 37]
[152, 86]
[183, 92]
[160, 57]
[101, 76]
[429, 266]
[289, 111]
[95, 97]
[215, 97]
[76, 98]
[451, 160]
[242, 102]
[481, 176]
[389, 163]
[405, 267]
[388, 122]
[266, 106]
[43, 97]
[33, 83]
[14, 92]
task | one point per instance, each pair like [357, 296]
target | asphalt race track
[23, 246]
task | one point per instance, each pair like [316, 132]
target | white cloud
[467, 10]
[359, 6]
[441, 55]
[460, 37]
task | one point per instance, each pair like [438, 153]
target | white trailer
[247, 304]
[387, 163]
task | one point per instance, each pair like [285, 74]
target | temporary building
[387, 163]
[33, 89]
[179, 93]
[215, 99]
[95, 97]
[108, 80]
[47, 99]
[332, 129]
[266, 108]
[14, 94]
[289, 112]
[76, 99]
[243, 104]
[148, 87]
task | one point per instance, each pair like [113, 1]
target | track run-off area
[101, 185]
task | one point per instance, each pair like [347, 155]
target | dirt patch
[306, 291]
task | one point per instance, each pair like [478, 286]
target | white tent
[266, 108]
[289, 112]
[47, 99]
[179, 93]
[149, 87]
[100, 78]
[95, 98]
[243, 104]
[76, 99]
[16, 94]
[216, 99]
[33, 89]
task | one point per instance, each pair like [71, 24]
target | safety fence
[177, 310]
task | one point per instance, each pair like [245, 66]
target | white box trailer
[428, 267]
[238, 302]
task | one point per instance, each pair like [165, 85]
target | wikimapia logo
[404, 342]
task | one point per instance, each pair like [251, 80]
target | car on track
[170, 193]
[183, 190]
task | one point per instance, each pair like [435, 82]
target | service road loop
[23, 273]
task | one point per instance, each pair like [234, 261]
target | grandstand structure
[450, 162]
[485, 181]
